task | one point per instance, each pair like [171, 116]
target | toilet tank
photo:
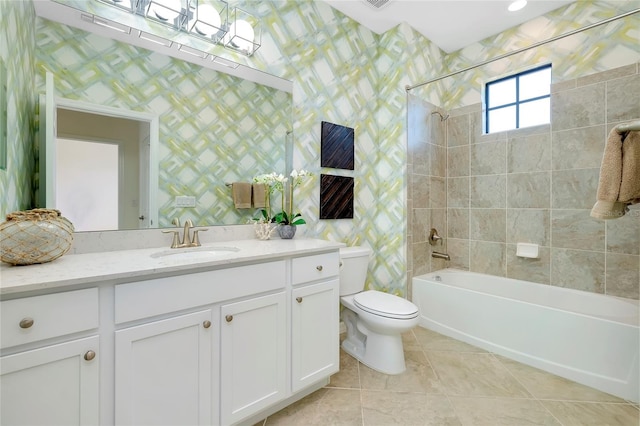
[353, 269]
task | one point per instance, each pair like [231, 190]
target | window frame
[517, 102]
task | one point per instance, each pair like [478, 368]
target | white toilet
[375, 320]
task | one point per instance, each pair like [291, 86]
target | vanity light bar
[106, 23]
[192, 51]
[224, 62]
[205, 19]
[155, 39]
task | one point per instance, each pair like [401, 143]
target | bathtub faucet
[434, 238]
[438, 255]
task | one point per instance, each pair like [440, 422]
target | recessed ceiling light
[517, 5]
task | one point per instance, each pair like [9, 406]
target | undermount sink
[195, 253]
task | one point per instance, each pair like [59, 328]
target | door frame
[51, 134]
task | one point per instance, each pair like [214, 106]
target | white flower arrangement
[278, 182]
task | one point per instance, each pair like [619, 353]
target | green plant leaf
[281, 218]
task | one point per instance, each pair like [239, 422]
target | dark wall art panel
[336, 197]
[336, 146]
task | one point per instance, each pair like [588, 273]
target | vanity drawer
[42, 317]
[316, 267]
[144, 299]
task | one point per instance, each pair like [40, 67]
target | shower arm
[442, 117]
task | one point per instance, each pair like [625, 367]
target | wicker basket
[34, 236]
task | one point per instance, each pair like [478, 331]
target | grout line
[469, 130]
[506, 204]
[444, 389]
[604, 112]
[533, 397]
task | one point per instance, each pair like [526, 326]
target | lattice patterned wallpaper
[18, 41]
[348, 75]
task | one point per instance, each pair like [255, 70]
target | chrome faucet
[187, 240]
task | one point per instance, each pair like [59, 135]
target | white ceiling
[450, 24]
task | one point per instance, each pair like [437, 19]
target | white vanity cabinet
[220, 344]
[314, 319]
[253, 356]
[314, 354]
[203, 348]
[51, 375]
[163, 372]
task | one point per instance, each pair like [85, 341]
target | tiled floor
[448, 382]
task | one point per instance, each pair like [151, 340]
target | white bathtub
[589, 338]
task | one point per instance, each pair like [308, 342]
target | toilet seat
[385, 305]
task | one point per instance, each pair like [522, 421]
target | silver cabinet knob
[229, 318]
[206, 324]
[299, 299]
[319, 267]
[26, 322]
[89, 355]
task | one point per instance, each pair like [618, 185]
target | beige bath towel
[260, 199]
[619, 183]
[241, 195]
[630, 185]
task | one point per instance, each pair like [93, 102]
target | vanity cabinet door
[163, 372]
[253, 356]
[53, 385]
[315, 352]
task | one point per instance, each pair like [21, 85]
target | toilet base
[381, 352]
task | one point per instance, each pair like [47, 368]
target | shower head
[442, 117]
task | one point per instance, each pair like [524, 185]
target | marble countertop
[132, 265]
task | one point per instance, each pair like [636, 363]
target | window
[520, 100]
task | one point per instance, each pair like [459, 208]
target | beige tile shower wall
[427, 195]
[538, 185]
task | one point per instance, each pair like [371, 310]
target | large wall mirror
[213, 128]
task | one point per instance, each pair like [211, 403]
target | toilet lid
[385, 304]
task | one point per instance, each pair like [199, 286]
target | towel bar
[628, 127]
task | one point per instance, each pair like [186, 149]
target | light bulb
[166, 10]
[243, 31]
[208, 22]
[517, 5]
